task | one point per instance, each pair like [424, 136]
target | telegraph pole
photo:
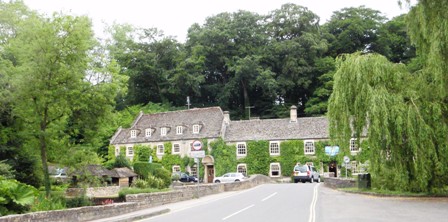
[188, 102]
[249, 107]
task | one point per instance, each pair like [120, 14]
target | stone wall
[94, 191]
[135, 202]
[338, 182]
[181, 193]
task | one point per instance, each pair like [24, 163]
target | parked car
[183, 177]
[230, 177]
[305, 173]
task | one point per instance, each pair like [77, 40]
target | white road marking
[231, 215]
[312, 217]
[269, 196]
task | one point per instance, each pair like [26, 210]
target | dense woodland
[64, 92]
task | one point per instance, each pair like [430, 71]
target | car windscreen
[301, 168]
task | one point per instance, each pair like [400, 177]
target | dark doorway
[210, 173]
[333, 169]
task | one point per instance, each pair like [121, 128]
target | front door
[333, 168]
[210, 174]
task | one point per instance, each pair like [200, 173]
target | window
[117, 151]
[275, 170]
[353, 145]
[195, 129]
[176, 148]
[160, 149]
[130, 151]
[179, 130]
[148, 132]
[163, 131]
[176, 168]
[194, 171]
[241, 149]
[274, 148]
[309, 147]
[354, 167]
[242, 168]
[133, 133]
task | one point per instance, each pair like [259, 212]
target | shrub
[56, 201]
[164, 175]
[155, 182]
[139, 183]
[143, 169]
[79, 201]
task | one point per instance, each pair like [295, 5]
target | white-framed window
[242, 168]
[130, 151]
[309, 147]
[176, 168]
[176, 148]
[196, 129]
[163, 131]
[148, 132]
[194, 171]
[354, 167]
[274, 148]
[275, 170]
[179, 130]
[354, 145]
[133, 133]
[117, 151]
[160, 149]
[241, 149]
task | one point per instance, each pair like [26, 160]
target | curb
[140, 216]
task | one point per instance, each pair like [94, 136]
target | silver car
[229, 177]
[305, 173]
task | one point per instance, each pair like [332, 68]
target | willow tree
[404, 124]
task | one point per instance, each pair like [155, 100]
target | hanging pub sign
[331, 150]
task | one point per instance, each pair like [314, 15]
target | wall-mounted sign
[332, 150]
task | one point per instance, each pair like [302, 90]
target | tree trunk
[43, 153]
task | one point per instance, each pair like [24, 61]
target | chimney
[293, 114]
[226, 117]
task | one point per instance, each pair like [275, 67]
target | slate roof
[278, 129]
[210, 120]
[123, 172]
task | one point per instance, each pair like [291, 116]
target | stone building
[182, 128]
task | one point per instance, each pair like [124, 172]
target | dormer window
[148, 132]
[179, 130]
[196, 129]
[163, 131]
[133, 133]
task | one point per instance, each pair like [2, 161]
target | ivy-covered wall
[258, 159]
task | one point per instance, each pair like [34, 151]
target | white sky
[174, 17]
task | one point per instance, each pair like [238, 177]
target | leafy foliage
[224, 155]
[15, 197]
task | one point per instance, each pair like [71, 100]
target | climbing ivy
[258, 158]
[224, 155]
[170, 160]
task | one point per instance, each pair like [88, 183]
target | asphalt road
[304, 202]
[265, 203]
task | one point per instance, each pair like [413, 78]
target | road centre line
[269, 196]
[231, 215]
[312, 217]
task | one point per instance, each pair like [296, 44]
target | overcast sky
[174, 17]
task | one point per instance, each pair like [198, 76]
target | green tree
[354, 29]
[52, 53]
[404, 125]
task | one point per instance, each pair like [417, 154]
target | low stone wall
[94, 191]
[337, 182]
[77, 214]
[181, 193]
[135, 202]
